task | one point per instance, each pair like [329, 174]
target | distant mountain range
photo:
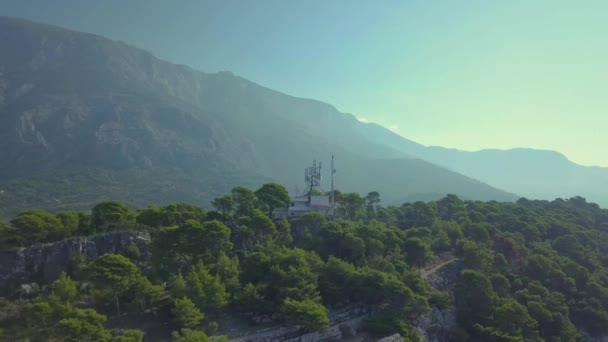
[531, 173]
[84, 119]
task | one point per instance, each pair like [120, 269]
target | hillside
[448, 270]
[84, 119]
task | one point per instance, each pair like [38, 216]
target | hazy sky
[463, 74]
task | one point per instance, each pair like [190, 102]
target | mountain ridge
[529, 172]
[70, 104]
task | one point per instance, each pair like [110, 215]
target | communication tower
[312, 176]
[332, 199]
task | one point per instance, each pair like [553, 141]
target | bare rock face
[392, 338]
[445, 277]
[589, 338]
[437, 325]
[343, 323]
[42, 263]
[333, 333]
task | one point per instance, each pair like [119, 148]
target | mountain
[85, 119]
[536, 174]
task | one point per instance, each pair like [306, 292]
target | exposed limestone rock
[436, 325]
[348, 330]
[333, 333]
[445, 277]
[588, 338]
[344, 322]
[264, 319]
[392, 338]
[42, 263]
[28, 290]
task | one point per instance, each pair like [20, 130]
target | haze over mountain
[83, 118]
[532, 173]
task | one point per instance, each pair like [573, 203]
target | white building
[300, 206]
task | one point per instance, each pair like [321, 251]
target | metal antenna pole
[333, 195]
[312, 180]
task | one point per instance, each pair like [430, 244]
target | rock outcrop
[343, 323]
[42, 263]
[587, 337]
[436, 325]
[444, 276]
[392, 338]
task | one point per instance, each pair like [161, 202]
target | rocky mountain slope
[84, 118]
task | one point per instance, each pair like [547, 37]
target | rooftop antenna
[312, 176]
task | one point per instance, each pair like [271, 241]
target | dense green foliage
[186, 314]
[532, 270]
[306, 313]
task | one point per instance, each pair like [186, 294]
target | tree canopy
[529, 271]
[272, 196]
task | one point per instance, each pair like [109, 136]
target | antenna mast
[333, 195]
[312, 175]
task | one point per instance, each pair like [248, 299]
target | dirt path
[429, 271]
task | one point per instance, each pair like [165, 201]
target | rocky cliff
[437, 325]
[42, 263]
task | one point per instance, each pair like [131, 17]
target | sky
[467, 74]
